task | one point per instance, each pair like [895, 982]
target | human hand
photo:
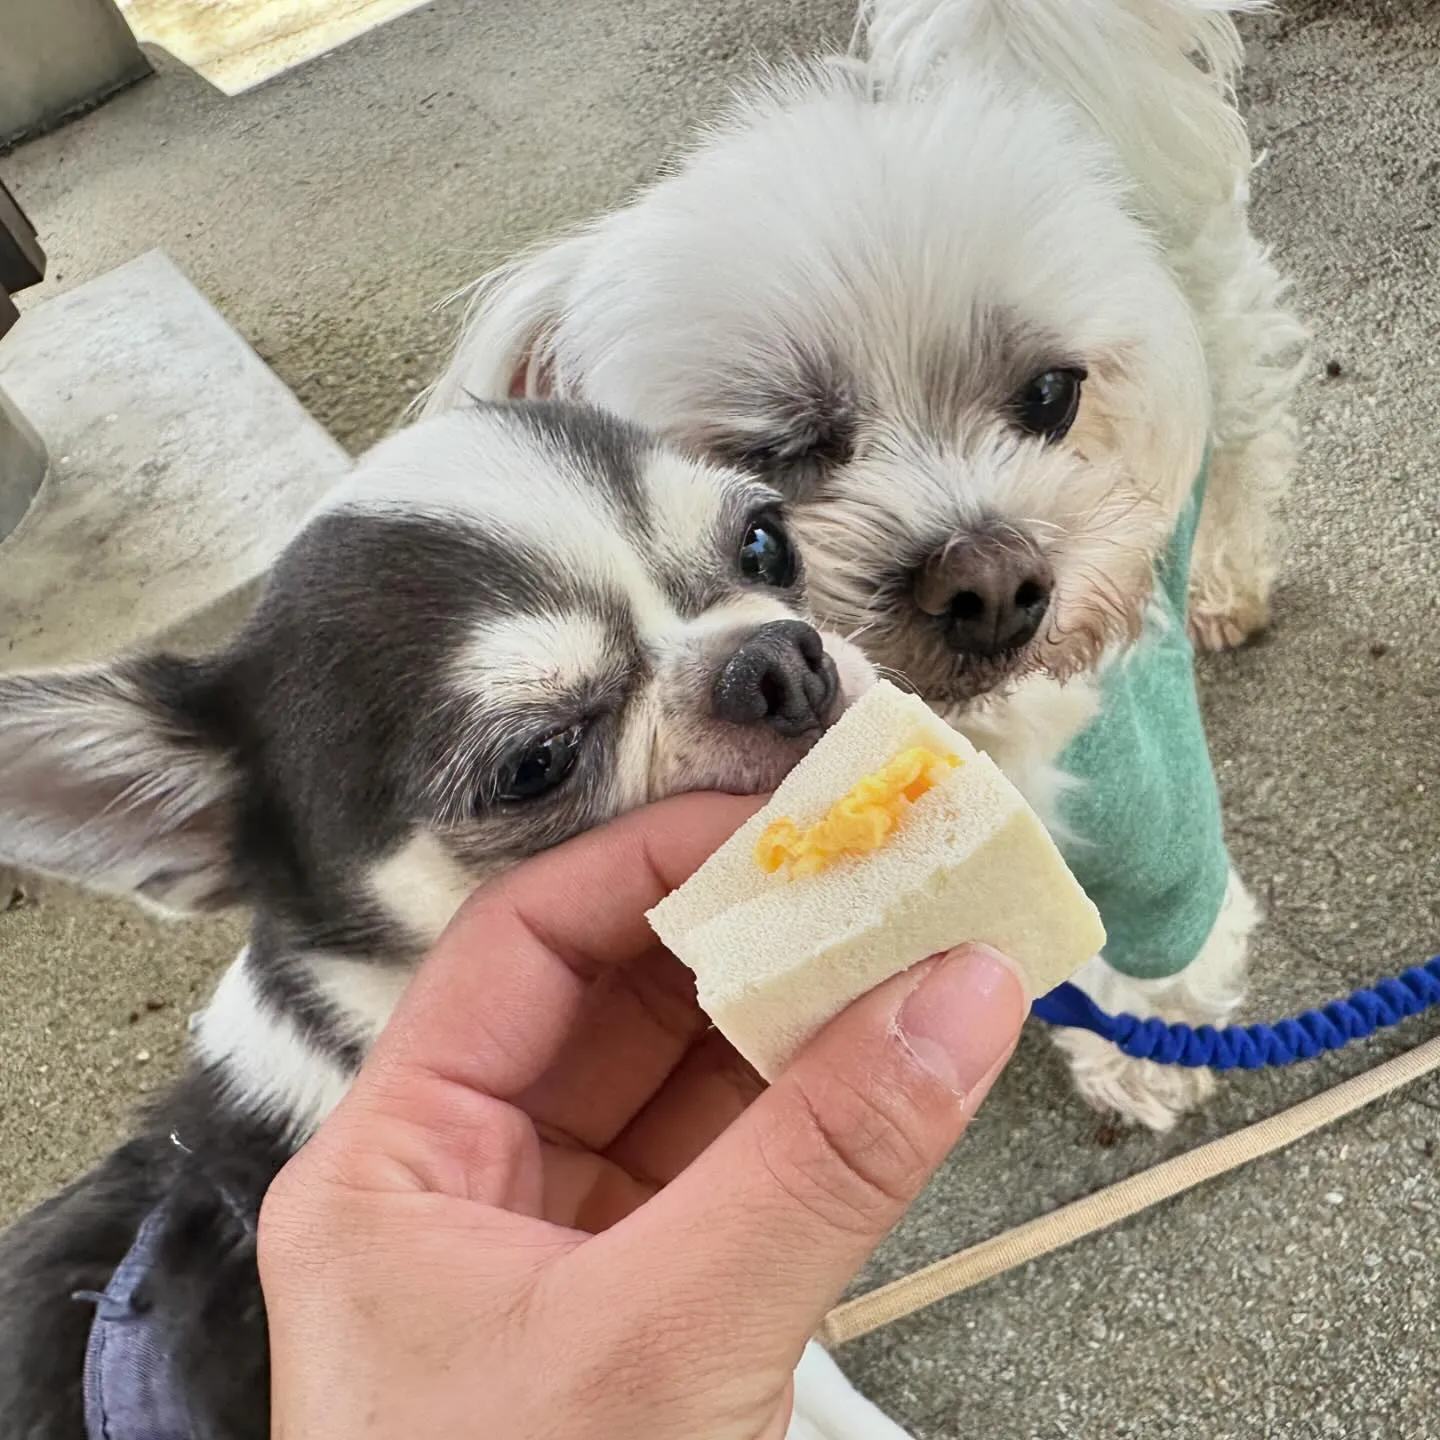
[555, 1203]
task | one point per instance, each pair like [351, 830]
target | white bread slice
[776, 957]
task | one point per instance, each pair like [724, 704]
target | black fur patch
[204, 1290]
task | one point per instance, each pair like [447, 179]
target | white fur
[1206, 992]
[975, 171]
[92, 749]
[269, 1066]
[472, 470]
[1027, 729]
[526, 658]
[364, 993]
[1125, 64]
[422, 885]
[481, 474]
[1075, 166]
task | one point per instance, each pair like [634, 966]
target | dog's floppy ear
[507, 346]
[121, 777]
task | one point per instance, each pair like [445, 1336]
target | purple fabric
[131, 1389]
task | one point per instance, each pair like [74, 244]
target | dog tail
[1156, 77]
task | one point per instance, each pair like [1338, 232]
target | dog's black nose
[992, 587]
[781, 677]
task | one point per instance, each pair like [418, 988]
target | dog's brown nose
[991, 586]
[780, 676]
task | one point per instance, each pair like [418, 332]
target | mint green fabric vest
[1147, 841]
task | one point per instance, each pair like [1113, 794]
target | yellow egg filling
[860, 821]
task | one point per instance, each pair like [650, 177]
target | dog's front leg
[1256, 351]
[1207, 991]
[1236, 547]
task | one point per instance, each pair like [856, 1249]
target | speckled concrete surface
[325, 212]
[179, 465]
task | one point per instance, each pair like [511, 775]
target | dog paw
[1138, 1092]
[1226, 626]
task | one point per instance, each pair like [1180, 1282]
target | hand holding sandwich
[555, 1202]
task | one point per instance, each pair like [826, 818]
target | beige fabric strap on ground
[1120, 1201]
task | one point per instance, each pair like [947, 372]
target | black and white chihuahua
[511, 623]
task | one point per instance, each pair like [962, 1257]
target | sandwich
[894, 839]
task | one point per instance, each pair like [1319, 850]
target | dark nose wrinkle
[779, 677]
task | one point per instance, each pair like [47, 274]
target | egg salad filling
[860, 821]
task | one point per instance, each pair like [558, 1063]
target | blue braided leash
[1250, 1047]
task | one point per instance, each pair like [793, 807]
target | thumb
[784, 1208]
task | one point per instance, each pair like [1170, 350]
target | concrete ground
[328, 211]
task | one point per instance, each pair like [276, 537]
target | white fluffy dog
[981, 299]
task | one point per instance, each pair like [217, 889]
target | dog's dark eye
[766, 555]
[543, 766]
[1047, 405]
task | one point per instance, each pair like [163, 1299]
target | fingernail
[962, 1020]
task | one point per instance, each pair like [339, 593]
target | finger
[635, 1026]
[709, 1090]
[584, 1191]
[791, 1200]
[504, 986]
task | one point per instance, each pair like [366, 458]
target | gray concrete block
[179, 465]
[22, 464]
[59, 57]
